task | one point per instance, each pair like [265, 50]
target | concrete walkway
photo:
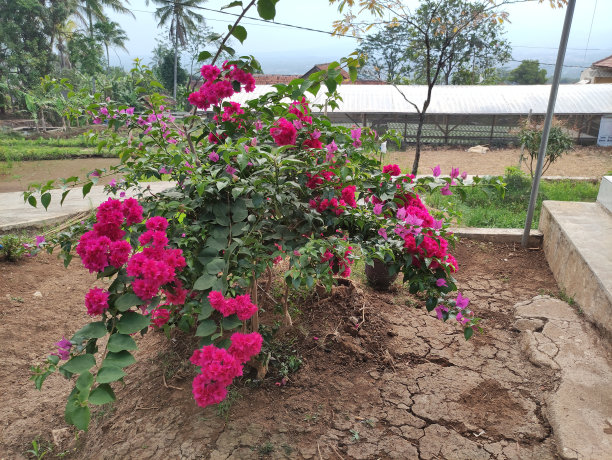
[580, 410]
[16, 214]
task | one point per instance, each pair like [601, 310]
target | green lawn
[14, 148]
[482, 209]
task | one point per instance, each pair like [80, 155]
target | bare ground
[404, 385]
[583, 161]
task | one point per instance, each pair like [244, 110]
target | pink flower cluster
[240, 305]
[283, 132]
[218, 367]
[300, 110]
[103, 245]
[96, 301]
[339, 265]
[156, 265]
[63, 349]
[336, 205]
[218, 85]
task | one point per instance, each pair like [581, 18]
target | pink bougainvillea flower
[213, 156]
[439, 309]
[355, 133]
[446, 190]
[245, 346]
[40, 239]
[441, 282]
[63, 349]
[437, 224]
[378, 209]
[331, 147]
[160, 316]
[230, 169]
[258, 125]
[401, 213]
[464, 175]
[283, 132]
[436, 171]
[454, 173]
[383, 232]
[112, 183]
[96, 301]
[393, 170]
[461, 301]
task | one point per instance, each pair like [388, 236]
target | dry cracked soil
[404, 385]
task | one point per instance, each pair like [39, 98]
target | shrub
[559, 143]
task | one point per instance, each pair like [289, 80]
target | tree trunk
[107, 57]
[93, 77]
[417, 154]
[175, 63]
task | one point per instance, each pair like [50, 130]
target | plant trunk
[175, 64]
[417, 153]
[107, 57]
[93, 77]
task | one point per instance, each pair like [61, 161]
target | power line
[293, 26]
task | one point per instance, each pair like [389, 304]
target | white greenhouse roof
[475, 100]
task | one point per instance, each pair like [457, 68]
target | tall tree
[528, 73]
[182, 20]
[91, 11]
[441, 35]
[110, 34]
[25, 47]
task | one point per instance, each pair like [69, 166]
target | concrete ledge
[578, 248]
[604, 197]
[499, 235]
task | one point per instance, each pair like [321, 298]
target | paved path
[580, 410]
[15, 214]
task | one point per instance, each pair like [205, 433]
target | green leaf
[121, 359]
[64, 195]
[120, 342]
[102, 394]
[239, 32]
[215, 266]
[76, 414]
[109, 374]
[87, 188]
[204, 55]
[468, 332]
[206, 328]
[79, 364]
[231, 322]
[32, 200]
[206, 310]
[331, 84]
[231, 5]
[91, 331]
[126, 301]
[204, 282]
[131, 322]
[84, 382]
[266, 9]
[45, 199]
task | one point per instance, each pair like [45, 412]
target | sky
[534, 32]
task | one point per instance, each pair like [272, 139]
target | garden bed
[403, 385]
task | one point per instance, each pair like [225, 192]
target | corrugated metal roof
[475, 100]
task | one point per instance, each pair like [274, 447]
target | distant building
[599, 72]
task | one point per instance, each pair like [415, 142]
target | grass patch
[14, 148]
[483, 209]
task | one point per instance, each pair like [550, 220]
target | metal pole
[569, 13]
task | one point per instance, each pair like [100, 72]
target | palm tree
[89, 10]
[111, 34]
[181, 18]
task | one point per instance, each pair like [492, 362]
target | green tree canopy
[528, 73]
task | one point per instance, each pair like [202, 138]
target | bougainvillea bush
[253, 183]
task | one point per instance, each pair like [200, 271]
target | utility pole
[554, 89]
